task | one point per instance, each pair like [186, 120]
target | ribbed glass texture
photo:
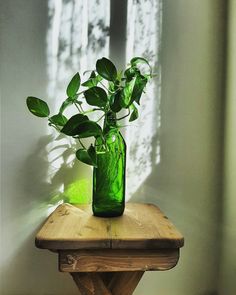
[109, 176]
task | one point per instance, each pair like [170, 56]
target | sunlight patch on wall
[143, 39]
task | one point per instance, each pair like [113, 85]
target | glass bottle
[109, 176]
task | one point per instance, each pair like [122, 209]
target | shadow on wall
[68, 183]
[40, 193]
[29, 191]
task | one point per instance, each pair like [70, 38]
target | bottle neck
[110, 121]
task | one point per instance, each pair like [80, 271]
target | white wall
[187, 183]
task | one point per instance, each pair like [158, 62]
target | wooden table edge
[113, 260]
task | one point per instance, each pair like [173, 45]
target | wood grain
[124, 283]
[90, 284]
[121, 283]
[117, 260]
[143, 226]
[70, 227]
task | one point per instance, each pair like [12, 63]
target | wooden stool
[108, 256]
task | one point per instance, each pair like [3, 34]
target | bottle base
[115, 211]
[104, 214]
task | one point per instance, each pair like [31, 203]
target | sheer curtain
[78, 35]
[144, 39]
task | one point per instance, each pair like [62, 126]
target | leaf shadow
[40, 193]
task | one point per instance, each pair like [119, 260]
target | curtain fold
[78, 35]
[144, 26]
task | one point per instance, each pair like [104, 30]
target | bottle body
[109, 175]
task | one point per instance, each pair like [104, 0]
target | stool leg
[90, 284]
[113, 283]
[124, 283]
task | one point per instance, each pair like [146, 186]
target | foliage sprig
[123, 92]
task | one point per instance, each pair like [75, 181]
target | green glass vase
[109, 175]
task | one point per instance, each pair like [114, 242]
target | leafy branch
[124, 92]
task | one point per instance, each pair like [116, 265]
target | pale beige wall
[228, 258]
[188, 182]
[24, 270]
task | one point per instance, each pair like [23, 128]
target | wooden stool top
[142, 226]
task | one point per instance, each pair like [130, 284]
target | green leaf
[116, 104]
[58, 119]
[126, 93]
[37, 106]
[134, 114]
[93, 75]
[89, 83]
[119, 75]
[87, 156]
[70, 128]
[88, 129]
[129, 73]
[139, 85]
[96, 96]
[65, 104]
[92, 81]
[93, 155]
[73, 86]
[106, 69]
[133, 90]
[141, 70]
[136, 60]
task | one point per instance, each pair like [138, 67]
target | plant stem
[101, 117]
[81, 92]
[77, 107]
[81, 108]
[124, 116]
[81, 143]
[106, 87]
[88, 71]
[92, 110]
[53, 125]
